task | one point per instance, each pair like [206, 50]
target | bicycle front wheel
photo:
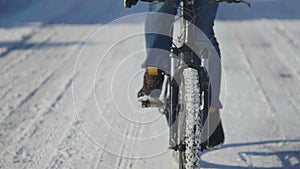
[190, 117]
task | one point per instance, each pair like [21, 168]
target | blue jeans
[158, 44]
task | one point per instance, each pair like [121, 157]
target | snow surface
[66, 102]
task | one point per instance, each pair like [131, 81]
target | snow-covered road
[68, 81]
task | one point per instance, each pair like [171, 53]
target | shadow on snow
[282, 155]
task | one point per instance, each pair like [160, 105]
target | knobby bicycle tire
[190, 120]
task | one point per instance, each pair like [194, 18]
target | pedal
[150, 102]
[147, 104]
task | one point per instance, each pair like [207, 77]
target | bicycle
[186, 93]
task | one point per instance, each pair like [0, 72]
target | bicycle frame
[181, 58]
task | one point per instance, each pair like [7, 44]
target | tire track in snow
[40, 100]
[19, 122]
[269, 72]
[21, 93]
[44, 152]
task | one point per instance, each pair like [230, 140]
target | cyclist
[157, 58]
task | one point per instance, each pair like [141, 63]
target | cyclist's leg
[158, 29]
[158, 44]
[205, 22]
[206, 14]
